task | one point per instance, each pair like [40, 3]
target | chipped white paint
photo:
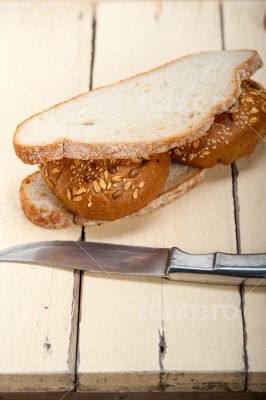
[43, 60]
[119, 338]
[245, 27]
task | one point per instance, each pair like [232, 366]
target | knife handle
[220, 268]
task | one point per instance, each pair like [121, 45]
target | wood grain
[139, 337]
[244, 27]
[43, 60]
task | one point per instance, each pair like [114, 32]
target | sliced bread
[149, 113]
[43, 208]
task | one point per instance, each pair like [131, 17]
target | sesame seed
[102, 184]
[177, 152]
[79, 198]
[55, 170]
[127, 186]
[141, 184]
[79, 191]
[68, 193]
[135, 194]
[117, 178]
[253, 120]
[196, 143]
[249, 100]
[96, 187]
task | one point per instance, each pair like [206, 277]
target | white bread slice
[148, 113]
[43, 208]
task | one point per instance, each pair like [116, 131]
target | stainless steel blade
[92, 257]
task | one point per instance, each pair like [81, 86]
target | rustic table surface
[62, 330]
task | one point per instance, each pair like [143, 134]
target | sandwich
[128, 148]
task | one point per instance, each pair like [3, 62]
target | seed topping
[117, 194]
[127, 186]
[102, 184]
[68, 193]
[117, 178]
[135, 194]
[55, 170]
[133, 173]
[79, 198]
[96, 187]
[253, 120]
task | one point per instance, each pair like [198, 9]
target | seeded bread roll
[106, 190]
[233, 134]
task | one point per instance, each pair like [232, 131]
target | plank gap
[244, 325]
[162, 348]
[93, 41]
[83, 232]
[79, 291]
[221, 13]
[235, 173]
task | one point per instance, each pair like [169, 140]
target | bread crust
[75, 149]
[64, 218]
[107, 189]
[55, 218]
[233, 134]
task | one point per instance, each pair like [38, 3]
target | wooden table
[63, 331]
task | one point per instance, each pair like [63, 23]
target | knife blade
[142, 261]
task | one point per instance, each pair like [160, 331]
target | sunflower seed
[117, 194]
[106, 174]
[133, 173]
[112, 169]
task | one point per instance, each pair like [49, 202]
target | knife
[171, 263]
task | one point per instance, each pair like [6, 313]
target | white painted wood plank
[45, 58]
[132, 37]
[245, 27]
